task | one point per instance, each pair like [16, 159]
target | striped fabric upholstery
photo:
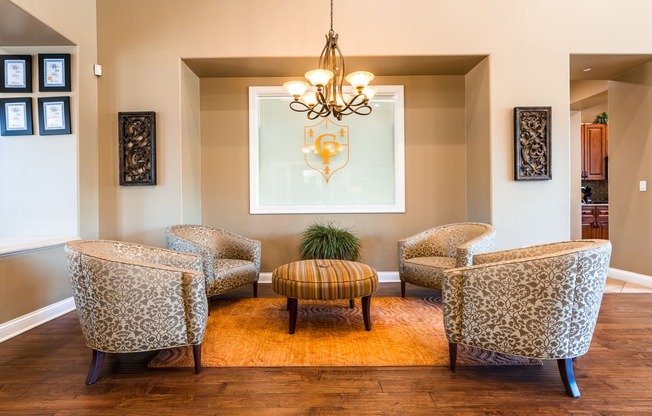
[324, 279]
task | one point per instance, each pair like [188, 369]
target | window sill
[18, 245]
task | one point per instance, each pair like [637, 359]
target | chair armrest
[481, 244]
[531, 251]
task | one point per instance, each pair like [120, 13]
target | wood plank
[42, 372]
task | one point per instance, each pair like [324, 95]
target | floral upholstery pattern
[536, 302]
[133, 298]
[423, 257]
[229, 260]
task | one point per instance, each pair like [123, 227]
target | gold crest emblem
[326, 147]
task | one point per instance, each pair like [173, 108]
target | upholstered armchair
[536, 302]
[230, 260]
[134, 298]
[423, 257]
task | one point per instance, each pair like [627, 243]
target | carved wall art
[532, 152]
[137, 148]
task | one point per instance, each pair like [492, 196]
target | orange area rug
[254, 333]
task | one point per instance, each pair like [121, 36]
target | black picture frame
[16, 73]
[137, 147]
[54, 115]
[16, 117]
[54, 72]
[532, 143]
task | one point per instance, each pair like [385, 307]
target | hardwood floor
[42, 372]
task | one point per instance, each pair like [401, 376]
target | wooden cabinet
[595, 221]
[594, 151]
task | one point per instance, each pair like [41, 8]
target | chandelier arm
[359, 110]
[299, 106]
[359, 100]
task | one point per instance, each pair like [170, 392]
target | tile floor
[619, 286]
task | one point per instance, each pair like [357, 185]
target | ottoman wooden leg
[292, 307]
[351, 303]
[366, 308]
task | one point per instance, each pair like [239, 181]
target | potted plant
[324, 240]
[601, 118]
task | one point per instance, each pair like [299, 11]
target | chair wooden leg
[255, 289]
[196, 354]
[292, 307]
[366, 310]
[96, 367]
[351, 303]
[402, 289]
[452, 353]
[568, 377]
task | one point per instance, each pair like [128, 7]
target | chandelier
[326, 96]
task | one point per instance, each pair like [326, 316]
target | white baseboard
[31, 320]
[631, 277]
[383, 277]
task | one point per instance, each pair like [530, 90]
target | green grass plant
[324, 240]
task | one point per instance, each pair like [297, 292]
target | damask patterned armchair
[423, 257]
[134, 298]
[230, 260]
[536, 302]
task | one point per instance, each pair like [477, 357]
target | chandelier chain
[331, 15]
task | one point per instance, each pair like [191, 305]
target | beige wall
[34, 280]
[31, 281]
[434, 159]
[140, 44]
[528, 45]
[630, 161]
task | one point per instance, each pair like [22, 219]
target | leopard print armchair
[230, 261]
[536, 302]
[135, 298]
[423, 257]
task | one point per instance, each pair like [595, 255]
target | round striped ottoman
[325, 280]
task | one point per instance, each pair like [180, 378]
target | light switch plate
[642, 186]
[97, 69]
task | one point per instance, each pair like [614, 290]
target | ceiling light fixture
[587, 69]
[326, 97]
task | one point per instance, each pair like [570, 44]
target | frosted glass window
[299, 165]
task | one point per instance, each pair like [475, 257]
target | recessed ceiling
[604, 67]
[296, 67]
[19, 28]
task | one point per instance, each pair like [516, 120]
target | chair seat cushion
[231, 274]
[427, 271]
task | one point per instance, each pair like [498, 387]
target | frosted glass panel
[325, 165]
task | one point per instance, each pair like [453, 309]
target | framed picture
[16, 116]
[137, 148]
[54, 72]
[16, 71]
[54, 115]
[532, 151]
